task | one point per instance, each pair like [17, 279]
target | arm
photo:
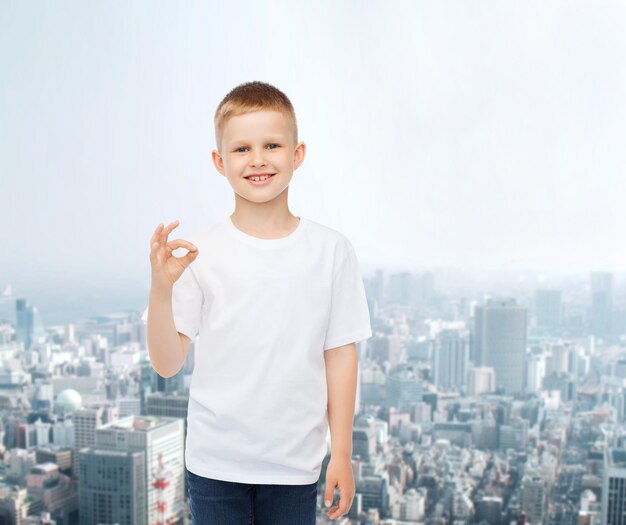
[341, 378]
[167, 347]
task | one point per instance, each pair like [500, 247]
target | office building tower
[451, 359]
[558, 361]
[500, 341]
[86, 420]
[364, 437]
[401, 288]
[160, 442]
[534, 498]
[8, 310]
[29, 327]
[403, 388]
[601, 304]
[112, 487]
[514, 435]
[535, 372]
[614, 487]
[548, 309]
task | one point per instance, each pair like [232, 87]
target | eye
[240, 148]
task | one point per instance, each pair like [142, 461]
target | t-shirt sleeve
[349, 319]
[187, 301]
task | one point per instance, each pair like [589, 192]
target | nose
[257, 158]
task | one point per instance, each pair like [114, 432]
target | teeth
[259, 178]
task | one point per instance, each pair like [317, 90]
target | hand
[339, 474]
[166, 269]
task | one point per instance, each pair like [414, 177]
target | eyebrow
[273, 138]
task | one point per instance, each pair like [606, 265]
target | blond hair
[249, 97]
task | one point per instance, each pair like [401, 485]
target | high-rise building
[601, 308]
[400, 288]
[450, 360]
[403, 388]
[86, 420]
[29, 326]
[548, 309]
[162, 440]
[535, 372]
[500, 341]
[112, 486]
[534, 498]
[614, 487]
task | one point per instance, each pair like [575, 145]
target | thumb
[189, 257]
[329, 494]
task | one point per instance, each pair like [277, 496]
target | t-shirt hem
[350, 338]
[239, 477]
[185, 329]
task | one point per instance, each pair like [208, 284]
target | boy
[278, 304]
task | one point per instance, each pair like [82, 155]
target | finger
[181, 243]
[341, 508]
[332, 511]
[329, 494]
[155, 234]
[337, 504]
[168, 230]
[189, 258]
[154, 248]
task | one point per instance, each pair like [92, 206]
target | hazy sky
[470, 134]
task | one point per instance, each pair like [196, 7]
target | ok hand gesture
[166, 268]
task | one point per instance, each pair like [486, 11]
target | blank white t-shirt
[264, 312]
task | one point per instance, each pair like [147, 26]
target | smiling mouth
[267, 177]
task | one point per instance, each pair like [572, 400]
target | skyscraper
[145, 446]
[500, 329]
[29, 325]
[112, 486]
[548, 309]
[601, 308]
[450, 360]
[534, 496]
[614, 487]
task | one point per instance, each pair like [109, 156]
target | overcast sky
[469, 134]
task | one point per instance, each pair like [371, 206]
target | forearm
[164, 344]
[341, 379]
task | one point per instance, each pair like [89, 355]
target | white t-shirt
[265, 311]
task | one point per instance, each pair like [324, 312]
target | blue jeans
[218, 502]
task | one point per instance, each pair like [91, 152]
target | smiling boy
[277, 304]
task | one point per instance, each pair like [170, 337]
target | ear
[218, 161]
[299, 155]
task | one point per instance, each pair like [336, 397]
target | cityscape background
[473, 154]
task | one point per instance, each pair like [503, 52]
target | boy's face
[259, 142]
